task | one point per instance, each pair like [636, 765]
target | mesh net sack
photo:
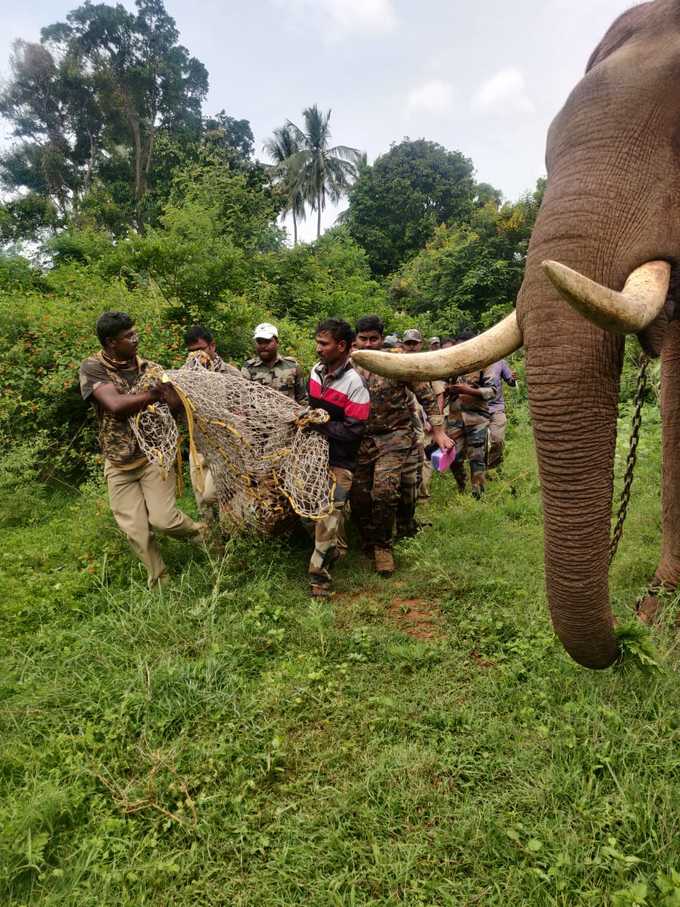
[264, 464]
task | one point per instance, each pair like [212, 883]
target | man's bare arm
[124, 405]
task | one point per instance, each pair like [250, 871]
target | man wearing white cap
[269, 367]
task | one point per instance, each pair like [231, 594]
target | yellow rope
[193, 451]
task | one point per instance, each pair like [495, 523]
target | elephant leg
[667, 576]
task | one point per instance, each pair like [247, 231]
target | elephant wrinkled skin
[612, 204]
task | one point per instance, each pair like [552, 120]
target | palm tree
[322, 172]
[282, 148]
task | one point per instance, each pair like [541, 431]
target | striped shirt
[344, 396]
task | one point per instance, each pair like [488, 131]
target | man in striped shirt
[337, 388]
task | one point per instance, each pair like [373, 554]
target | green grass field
[420, 741]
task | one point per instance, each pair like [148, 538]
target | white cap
[265, 331]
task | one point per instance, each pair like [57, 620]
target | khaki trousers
[497, 427]
[207, 498]
[143, 502]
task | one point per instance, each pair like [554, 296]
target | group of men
[378, 433]
[474, 406]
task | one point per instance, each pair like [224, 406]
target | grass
[231, 742]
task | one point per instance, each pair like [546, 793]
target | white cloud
[339, 18]
[434, 96]
[504, 93]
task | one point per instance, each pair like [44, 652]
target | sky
[484, 77]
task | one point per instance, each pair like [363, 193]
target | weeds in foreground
[230, 742]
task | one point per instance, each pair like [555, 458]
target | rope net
[264, 464]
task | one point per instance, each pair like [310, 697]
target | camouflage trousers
[497, 427]
[469, 433]
[425, 470]
[385, 487]
[329, 532]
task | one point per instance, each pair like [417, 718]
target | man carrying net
[335, 386]
[200, 344]
[142, 493]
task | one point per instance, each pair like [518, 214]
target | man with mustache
[142, 499]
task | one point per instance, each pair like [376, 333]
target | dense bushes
[217, 259]
[43, 338]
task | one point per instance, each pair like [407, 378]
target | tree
[57, 123]
[469, 274]
[396, 204]
[321, 171]
[485, 193]
[283, 149]
[144, 80]
[235, 137]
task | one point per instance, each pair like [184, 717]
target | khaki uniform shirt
[284, 375]
[116, 438]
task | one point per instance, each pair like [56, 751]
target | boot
[384, 561]
[458, 470]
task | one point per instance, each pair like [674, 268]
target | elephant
[602, 263]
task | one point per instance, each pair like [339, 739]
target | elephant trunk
[573, 394]
[668, 571]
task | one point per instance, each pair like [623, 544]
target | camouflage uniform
[468, 424]
[142, 497]
[284, 375]
[439, 389]
[116, 439]
[386, 478]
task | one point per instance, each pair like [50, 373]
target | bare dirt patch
[417, 617]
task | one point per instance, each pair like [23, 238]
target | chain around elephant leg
[631, 460]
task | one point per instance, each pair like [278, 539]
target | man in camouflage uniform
[413, 343]
[385, 481]
[200, 344]
[468, 424]
[270, 368]
[142, 498]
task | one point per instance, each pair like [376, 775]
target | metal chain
[638, 402]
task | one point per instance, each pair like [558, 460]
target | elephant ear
[620, 33]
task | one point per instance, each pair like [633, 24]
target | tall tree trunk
[294, 229]
[135, 128]
[318, 215]
[90, 164]
[139, 169]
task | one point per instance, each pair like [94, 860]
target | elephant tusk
[628, 312]
[496, 343]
